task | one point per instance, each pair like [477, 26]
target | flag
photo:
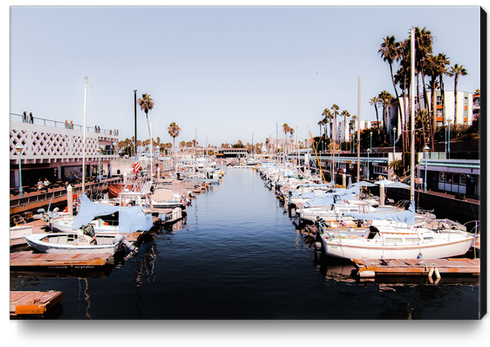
[136, 167]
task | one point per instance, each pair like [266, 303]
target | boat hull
[67, 243]
[361, 248]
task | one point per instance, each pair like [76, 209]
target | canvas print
[257, 163]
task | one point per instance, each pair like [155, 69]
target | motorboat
[80, 242]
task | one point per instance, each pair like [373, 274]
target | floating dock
[422, 267]
[33, 303]
[60, 260]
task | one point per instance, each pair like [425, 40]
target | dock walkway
[424, 267]
[33, 303]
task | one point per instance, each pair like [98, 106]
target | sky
[223, 73]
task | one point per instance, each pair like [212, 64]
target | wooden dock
[33, 303]
[422, 267]
[60, 260]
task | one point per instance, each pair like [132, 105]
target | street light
[394, 141]
[19, 149]
[368, 151]
[98, 166]
[426, 149]
[449, 138]
[370, 140]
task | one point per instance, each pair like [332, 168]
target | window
[462, 180]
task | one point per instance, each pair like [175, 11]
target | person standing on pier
[46, 184]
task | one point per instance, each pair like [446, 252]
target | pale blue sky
[226, 71]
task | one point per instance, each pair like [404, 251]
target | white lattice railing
[44, 143]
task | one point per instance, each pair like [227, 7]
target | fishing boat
[79, 242]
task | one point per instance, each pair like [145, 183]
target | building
[44, 148]
[230, 152]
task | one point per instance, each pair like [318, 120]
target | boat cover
[131, 218]
[407, 216]
[327, 199]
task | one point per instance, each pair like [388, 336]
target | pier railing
[35, 200]
[59, 124]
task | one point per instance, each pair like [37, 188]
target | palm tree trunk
[456, 99]
[396, 91]
[434, 119]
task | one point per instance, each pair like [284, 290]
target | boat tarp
[327, 199]
[131, 218]
[407, 216]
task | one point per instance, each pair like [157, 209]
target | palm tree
[390, 52]
[385, 99]
[435, 67]
[285, 129]
[335, 109]
[375, 102]
[146, 104]
[423, 47]
[174, 131]
[328, 119]
[403, 79]
[443, 61]
[455, 71]
[345, 114]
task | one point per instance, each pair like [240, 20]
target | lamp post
[445, 137]
[394, 141]
[98, 166]
[449, 139]
[19, 149]
[426, 149]
[368, 151]
[370, 140]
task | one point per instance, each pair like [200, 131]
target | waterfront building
[231, 152]
[54, 150]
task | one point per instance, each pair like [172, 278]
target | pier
[419, 267]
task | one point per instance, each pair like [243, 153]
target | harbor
[247, 169]
[233, 252]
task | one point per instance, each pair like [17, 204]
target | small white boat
[77, 242]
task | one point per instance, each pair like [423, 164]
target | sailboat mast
[135, 132]
[84, 136]
[412, 116]
[358, 127]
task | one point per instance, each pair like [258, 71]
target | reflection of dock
[33, 303]
[424, 267]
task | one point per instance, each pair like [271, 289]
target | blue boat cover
[407, 216]
[131, 218]
[327, 199]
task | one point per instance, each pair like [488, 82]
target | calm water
[238, 256]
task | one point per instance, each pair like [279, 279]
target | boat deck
[33, 303]
[424, 267]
